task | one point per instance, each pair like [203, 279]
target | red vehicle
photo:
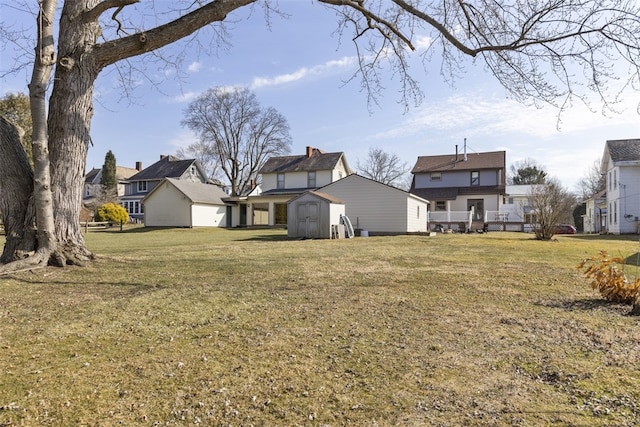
[564, 229]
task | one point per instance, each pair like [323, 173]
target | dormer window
[142, 186]
[436, 176]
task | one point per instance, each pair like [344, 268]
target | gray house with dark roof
[621, 166]
[459, 182]
[142, 183]
[283, 178]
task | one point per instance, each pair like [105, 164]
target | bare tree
[541, 51]
[203, 152]
[552, 204]
[593, 182]
[526, 172]
[384, 167]
[242, 135]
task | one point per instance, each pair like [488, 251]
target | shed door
[308, 217]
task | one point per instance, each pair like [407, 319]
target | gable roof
[453, 162]
[91, 175]
[329, 198]
[124, 172]
[355, 176]
[317, 160]
[624, 150]
[167, 167]
[196, 192]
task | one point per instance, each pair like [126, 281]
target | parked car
[564, 229]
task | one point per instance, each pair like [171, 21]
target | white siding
[416, 216]
[376, 207]
[167, 207]
[627, 200]
[208, 215]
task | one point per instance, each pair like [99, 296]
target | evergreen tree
[108, 179]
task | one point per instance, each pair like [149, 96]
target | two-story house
[92, 188]
[621, 166]
[140, 184]
[461, 182]
[283, 178]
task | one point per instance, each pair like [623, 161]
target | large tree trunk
[61, 139]
[70, 114]
[16, 188]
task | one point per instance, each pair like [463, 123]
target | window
[280, 180]
[615, 212]
[311, 179]
[436, 176]
[475, 178]
[142, 186]
[418, 213]
[441, 205]
[610, 181]
[615, 179]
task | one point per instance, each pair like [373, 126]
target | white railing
[452, 217]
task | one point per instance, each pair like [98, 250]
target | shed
[312, 213]
[179, 203]
[378, 208]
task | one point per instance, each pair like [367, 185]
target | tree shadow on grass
[587, 304]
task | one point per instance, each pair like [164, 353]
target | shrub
[607, 275]
[112, 212]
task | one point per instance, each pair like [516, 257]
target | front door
[478, 209]
[243, 215]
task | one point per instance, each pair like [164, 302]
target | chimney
[309, 151]
[138, 166]
[465, 149]
[456, 153]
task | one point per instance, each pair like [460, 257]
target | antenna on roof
[465, 149]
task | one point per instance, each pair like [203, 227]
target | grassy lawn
[246, 327]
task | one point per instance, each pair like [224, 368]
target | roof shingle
[624, 150]
[450, 162]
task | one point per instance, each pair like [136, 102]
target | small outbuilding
[314, 215]
[377, 208]
[181, 203]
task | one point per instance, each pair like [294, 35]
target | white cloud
[302, 73]
[194, 67]
[185, 97]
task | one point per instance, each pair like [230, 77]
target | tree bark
[16, 189]
[44, 61]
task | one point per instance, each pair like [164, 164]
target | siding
[490, 177]
[376, 207]
[167, 208]
[208, 215]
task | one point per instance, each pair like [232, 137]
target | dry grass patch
[242, 327]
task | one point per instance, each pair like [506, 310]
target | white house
[621, 165]
[179, 203]
[379, 208]
[283, 178]
[595, 218]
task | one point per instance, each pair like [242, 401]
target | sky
[300, 67]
